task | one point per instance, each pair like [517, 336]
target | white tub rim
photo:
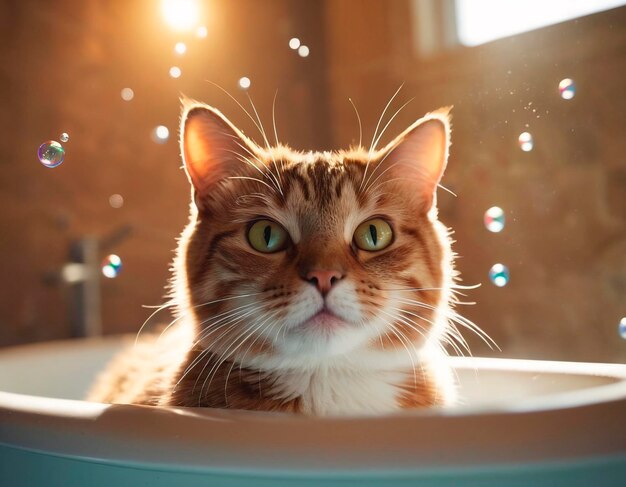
[570, 426]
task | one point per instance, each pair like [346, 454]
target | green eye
[267, 236]
[373, 235]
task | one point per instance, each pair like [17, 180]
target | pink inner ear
[420, 154]
[200, 149]
[210, 147]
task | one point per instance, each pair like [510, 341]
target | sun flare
[180, 14]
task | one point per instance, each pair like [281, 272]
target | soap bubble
[202, 32]
[160, 134]
[567, 88]
[244, 83]
[303, 51]
[180, 48]
[111, 266]
[525, 141]
[622, 328]
[127, 94]
[494, 219]
[175, 72]
[294, 43]
[64, 137]
[499, 275]
[116, 201]
[51, 153]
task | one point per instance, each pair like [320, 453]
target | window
[480, 21]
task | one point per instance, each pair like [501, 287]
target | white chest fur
[341, 391]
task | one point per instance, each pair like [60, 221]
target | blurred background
[539, 117]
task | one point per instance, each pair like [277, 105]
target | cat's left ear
[419, 155]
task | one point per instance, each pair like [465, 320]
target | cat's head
[300, 258]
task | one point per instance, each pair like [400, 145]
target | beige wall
[64, 64]
[565, 201]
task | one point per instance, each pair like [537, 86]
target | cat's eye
[373, 235]
[267, 236]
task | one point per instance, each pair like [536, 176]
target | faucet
[82, 274]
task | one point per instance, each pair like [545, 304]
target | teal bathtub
[523, 423]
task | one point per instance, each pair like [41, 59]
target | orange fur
[241, 311]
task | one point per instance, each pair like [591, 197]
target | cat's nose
[324, 280]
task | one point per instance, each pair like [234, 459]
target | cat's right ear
[212, 147]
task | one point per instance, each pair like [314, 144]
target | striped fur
[246, 340]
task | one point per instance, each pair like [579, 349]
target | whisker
[203, 354]
[159, 306]
[413, 289]
[444, 337]
[274, 117]
[376, 131]
[282, 162]
[269, 174]
[402, 339]
[398, 317]
[209, 352]
[197, 306]
[252, 179]
[154, 313]
[265, 324]
[228, 298]
[402, 162]
[225, 355]
[237, 102]
[388, 122]
[380, 135]
[460, 286]
[447, 189]
[459, 319]
[237, 315]
[267, 144]
[231, 354]
[359, 119]
[232, 320]
[387, 181]
[246, 160]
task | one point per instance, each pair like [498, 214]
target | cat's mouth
[324, 320]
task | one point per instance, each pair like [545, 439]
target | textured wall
[565, 201]
[63, 66]
[65, 62]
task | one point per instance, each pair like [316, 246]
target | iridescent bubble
[111, 266]
[51, 153]
[244, 83]
[622, 328]
[499, 275]
[567, 88]
[294, 43]
[160, 134]
[64, 137]
[303, 51]
[127, 94]
[116, 201]
[494, 219]
[525, 140]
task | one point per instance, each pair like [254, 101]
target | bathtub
[522, 423]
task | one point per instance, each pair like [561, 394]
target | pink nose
[323, 280]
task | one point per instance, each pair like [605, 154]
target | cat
[318, 283]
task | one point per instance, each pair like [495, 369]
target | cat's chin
[320, 337]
